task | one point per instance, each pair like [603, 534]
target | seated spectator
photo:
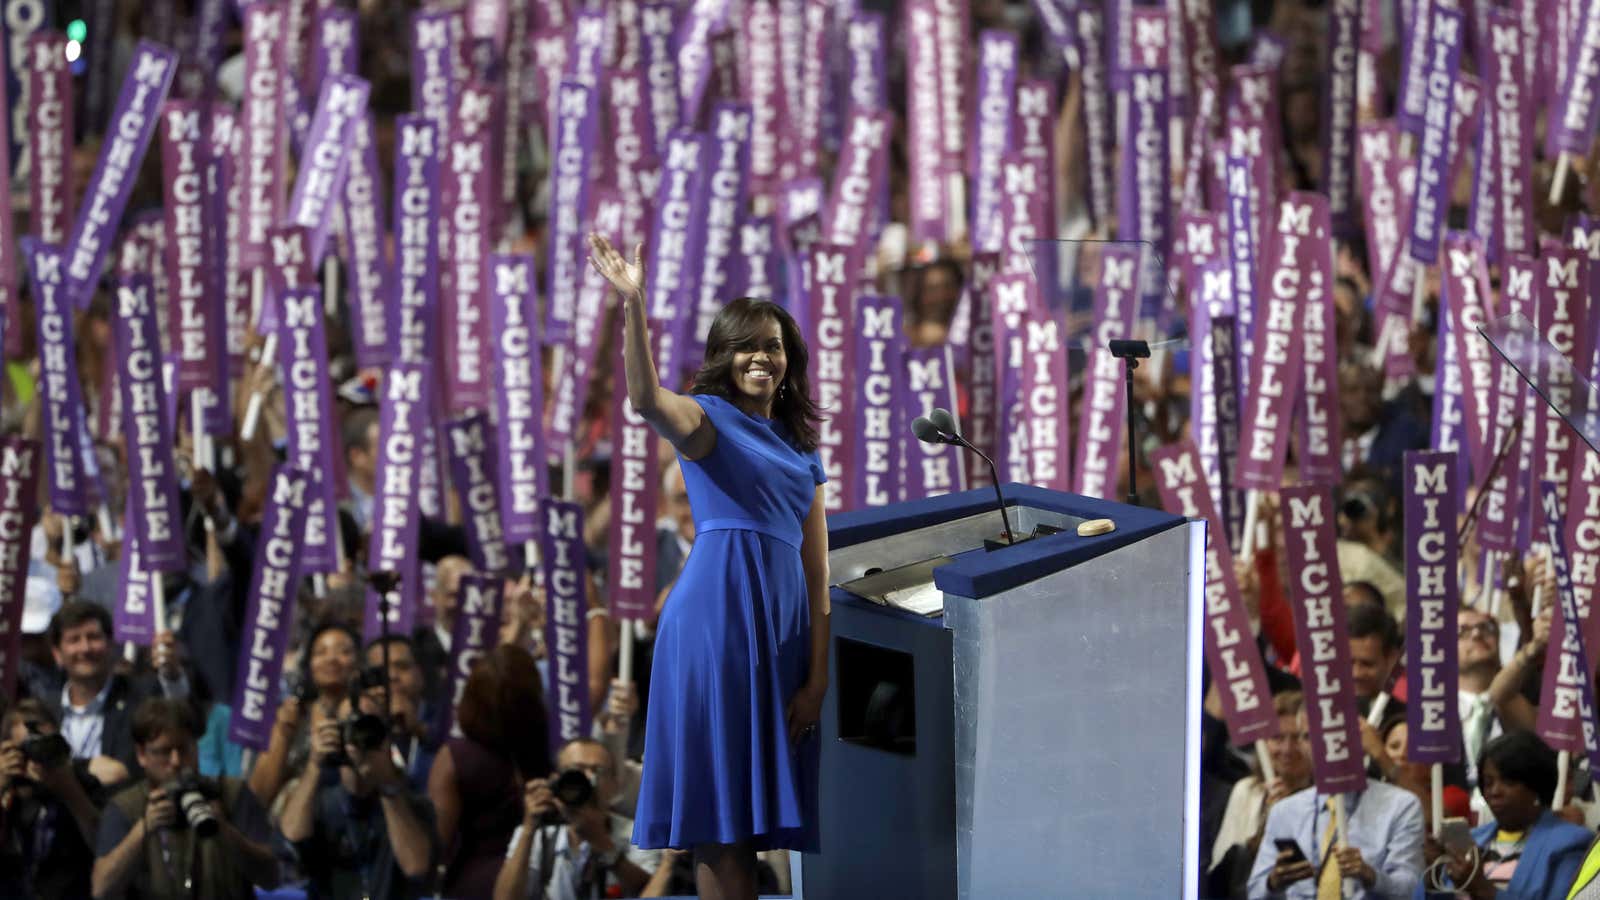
[150, 844]
[93, 704]
[325, 674]
[50, 811]
[478, 778]
[407, 708]
[1526, 852]
[581, 852]
[1252, 799]
[1383, 854]
[356, 826]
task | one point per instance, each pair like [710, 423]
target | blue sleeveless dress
[733, 645]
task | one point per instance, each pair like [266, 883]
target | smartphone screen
[1288, 844]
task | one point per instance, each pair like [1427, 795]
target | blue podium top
[982, 573]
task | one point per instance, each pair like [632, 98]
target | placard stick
[1251, 501]
[1264, 760]
[1563, 768]
[1437, 798]
[330, 286]
[1558, 184]
[1419, 291]
[625, 651]
[158, 600]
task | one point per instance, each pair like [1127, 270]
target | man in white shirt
[1478, 652]
[95, 706]
[577, 852]
[1381, 861]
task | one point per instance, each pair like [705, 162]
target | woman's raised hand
[627, 278]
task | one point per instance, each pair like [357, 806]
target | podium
[1040, 737]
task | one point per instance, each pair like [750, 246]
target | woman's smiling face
[759, 365]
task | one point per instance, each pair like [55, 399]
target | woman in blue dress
[741, 650]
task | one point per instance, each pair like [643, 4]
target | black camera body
[193, 796]
[47, 750]
[363, 731]
[574, 789]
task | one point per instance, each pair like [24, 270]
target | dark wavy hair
[739, 325]
[503, 708]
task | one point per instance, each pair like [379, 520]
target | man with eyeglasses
[1478, 654]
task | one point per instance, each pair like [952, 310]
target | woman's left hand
[805, 710]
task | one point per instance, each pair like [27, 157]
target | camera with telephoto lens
[193, 796]
[574, 789]
[48, 750]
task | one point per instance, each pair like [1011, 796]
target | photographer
[173, 834]
[49, 808]
[408, 710]
[355, 824]
[569, 847]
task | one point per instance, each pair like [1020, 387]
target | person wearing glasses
[1478, 654]
[1252, 798]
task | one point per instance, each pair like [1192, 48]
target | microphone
[927, 432]
[939, 427]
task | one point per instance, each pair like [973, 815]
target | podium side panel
[1072, 728]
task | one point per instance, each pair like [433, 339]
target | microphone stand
[1130, 352]
[994, 475]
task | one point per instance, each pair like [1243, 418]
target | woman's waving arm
[675, 417]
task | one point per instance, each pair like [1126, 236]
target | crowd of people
[118, 775]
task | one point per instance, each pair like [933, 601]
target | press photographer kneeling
[173, 833]
[569, 847]
[49, 808]
[355, 824]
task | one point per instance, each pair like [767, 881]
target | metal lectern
[1040, 737]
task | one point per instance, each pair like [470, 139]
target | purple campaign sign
[190, 223]
[1562, 281]
[923, 126]
[635, 489]
[133, 619]
[1566, 698]
[335, 46]
[1464, 284]
[366, 225]
[269, 617]
[730, 164]
[565, 406]
[1101, 422]
[265, 126]
[471, 442]
[414, 299]
[1044, 397]
[860, 178]
[1442, 68]
[320, 183]
[1572, 117]
[10, 265]
[673, 269]
[50, 135]
[467, 199]
[1316, 593]
[519, 395]
[1208, 298]
[638, 168]
[1242, 252]
[1278, 369]
[1448, 425]
[930, 470]
[832, 306]
[693, 51]
[479, 604]
[226, 187]
[762, 91]
[1010, 298]
[992, 123]
[981, 372]
[433, 69]
[60, 398]
[955, 49]
[755, 268]
[1432, 506]
[308, 406]
[478, 609]
[19, 509]
[879, 341]
[133, 122]
[288, 265]
[574, 143]
[152, 478]
[1023, 198]
[1231, 653]
[660, 67]
[1339, 117]
[402, 415]
[1505, 82]
[565, 580]
[1096, 115]
[866, 44]
[1317, 434]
